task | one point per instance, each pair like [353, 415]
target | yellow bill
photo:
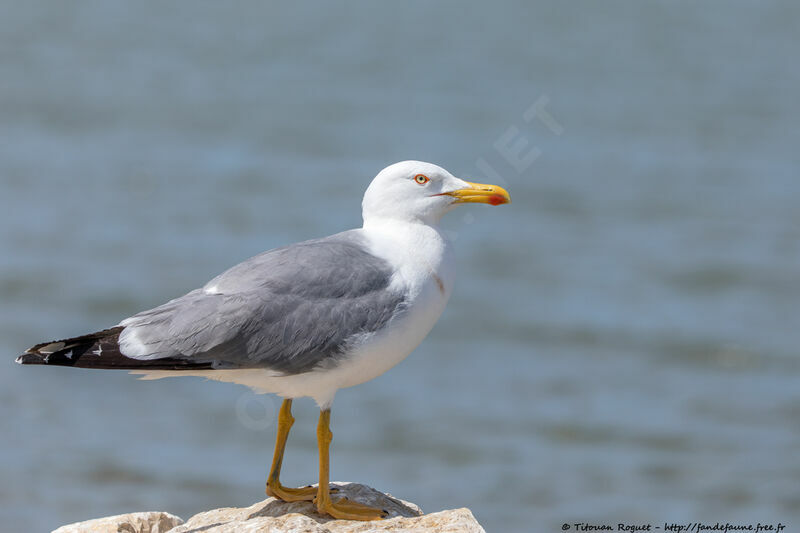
[481, 193]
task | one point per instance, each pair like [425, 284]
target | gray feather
[290, 309]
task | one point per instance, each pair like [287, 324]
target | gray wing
[290, 309]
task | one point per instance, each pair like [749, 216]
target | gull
[307, 319]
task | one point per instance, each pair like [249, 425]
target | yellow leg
[343, 508]
[274, 487]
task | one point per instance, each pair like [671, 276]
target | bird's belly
[386, 348]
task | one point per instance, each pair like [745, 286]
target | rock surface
[277, 516]
[151, 522]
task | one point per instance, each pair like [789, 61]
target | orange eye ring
[422, 179]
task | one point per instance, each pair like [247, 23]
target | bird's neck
[406, 234]
[415, 249]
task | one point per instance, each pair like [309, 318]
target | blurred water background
[622, 343]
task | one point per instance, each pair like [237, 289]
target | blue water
[622, 343]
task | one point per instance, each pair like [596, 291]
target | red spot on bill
[496, 199]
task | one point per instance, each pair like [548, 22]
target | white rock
[151, 522]
[274, 515]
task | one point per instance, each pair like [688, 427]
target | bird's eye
[422, 179]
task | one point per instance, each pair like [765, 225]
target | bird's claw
[345, 509]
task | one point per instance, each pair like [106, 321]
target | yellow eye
[422, 179]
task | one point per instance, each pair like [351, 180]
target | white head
[414, 191]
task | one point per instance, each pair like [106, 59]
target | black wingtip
[101, 350]
[30, 359]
